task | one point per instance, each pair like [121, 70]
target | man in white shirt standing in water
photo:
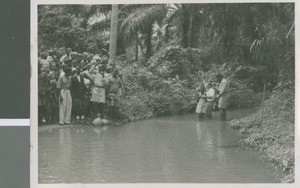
[223, 96]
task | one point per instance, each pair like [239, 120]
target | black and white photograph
[196, 93]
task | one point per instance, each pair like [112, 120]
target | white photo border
[34, 97]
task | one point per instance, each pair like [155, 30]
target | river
[177, 149]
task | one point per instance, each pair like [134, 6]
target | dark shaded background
[14, 92]
[14, 157]
[14, 58]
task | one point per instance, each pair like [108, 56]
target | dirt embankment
[271, 130]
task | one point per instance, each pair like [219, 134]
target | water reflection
[198, 130]
[65, 150]
[172, 149]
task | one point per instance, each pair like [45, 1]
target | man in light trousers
[223, 96]
[65, 99]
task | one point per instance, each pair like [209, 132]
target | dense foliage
[166, 46]
[257, 34]
[161, 88]
[167, 85]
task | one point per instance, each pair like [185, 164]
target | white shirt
[62, 73]
[210, 94]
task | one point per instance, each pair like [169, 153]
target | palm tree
[275, 46]
[140, 19]
[113, 32]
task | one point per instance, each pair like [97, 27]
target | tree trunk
[149, 41]
[141, 46]
[136, 45]
[190, 34]
[167, 33]
[113, 33]
[185, 26]
[197, 33]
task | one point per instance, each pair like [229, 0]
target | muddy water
[176, 149]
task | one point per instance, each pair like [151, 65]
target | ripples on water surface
[160, 150]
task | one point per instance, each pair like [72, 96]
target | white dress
[201, 105]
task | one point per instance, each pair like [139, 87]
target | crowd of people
[213, 96]
[76, 87]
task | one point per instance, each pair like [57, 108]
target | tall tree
[113, 32]
[141, 18]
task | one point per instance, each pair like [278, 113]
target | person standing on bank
[65, 99]
[98, 91]
[223, 96]
[78, 94]
[113, 94]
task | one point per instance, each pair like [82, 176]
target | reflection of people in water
[65, 150]
[223, 96]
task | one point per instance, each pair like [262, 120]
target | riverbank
[271, 130]
[88, 123]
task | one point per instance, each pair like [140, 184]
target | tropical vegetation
[161, 49]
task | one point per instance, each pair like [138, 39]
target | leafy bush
[241, 96]
[161, 89]
[176, 61]
[166, 83]
[134, 107]
[56, 30]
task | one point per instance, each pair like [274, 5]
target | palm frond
[141, 18]
[274, 49]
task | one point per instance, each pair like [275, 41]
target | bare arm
[92, 68]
